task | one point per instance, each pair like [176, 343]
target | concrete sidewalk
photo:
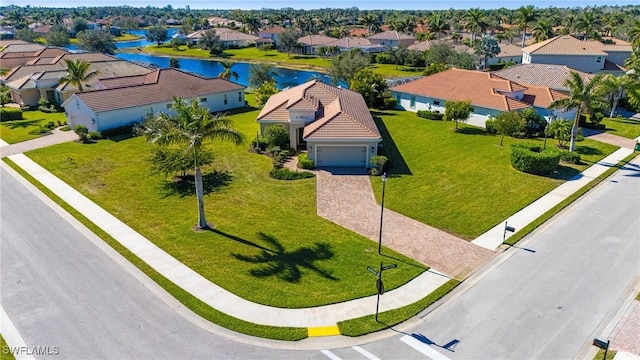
[212, 294]
[493, 238]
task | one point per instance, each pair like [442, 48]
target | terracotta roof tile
[391, 35]
[552, 76]
[313, 40]
[565, 45]
[160, 86]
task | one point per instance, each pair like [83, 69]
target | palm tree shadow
[287, 265]
[22, 123]
[186, 186]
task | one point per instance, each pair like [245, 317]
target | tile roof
[22, 47]
[313, 40]
[358, 32]
[56, 63]
[272, 30]
[481, 88]
[421, 45]
[158, 87]
[345, 114]
[565, 45]
[109, 69]
[353, 42]
[509, 50]
[552, 76]
[390, 35]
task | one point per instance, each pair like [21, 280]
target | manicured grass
[600, 355]
[461, 182]
[269, 246]
[18, 130]
[387, 319]
[628, 128]
[191, 302]
[638, 297]
[566, 202]
[127, 37]
[4, 350]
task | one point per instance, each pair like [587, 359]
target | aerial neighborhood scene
[320, 180]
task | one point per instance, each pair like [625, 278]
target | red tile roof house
[392, 39]
[333, 123]
[271, 33]
[311, 42]
[489, 95]
[122, 101]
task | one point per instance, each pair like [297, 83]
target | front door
[302, 145]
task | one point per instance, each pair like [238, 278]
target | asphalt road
[549, 298]
[61, 290]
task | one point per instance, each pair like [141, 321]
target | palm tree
[526, 14]
[589, 24]
[437, 25]
[613, 88]
[189, 125]
[475, 22]
[582, 99]
[633, 34]
[227, 73]
[78, 71]
[371, 20]
[542, 30]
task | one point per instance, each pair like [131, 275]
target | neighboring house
[229, 38]
[508, 53]
[358, 32]
[350, 43]
[392, 39]
[333, 123]
[271, 33]
[40, 78]
[123, 101]
[309, 43]
[7, 32]
[10, 60]
[222, 22]
[43, 30]
[551, 76]
[589, 56]
[489, 95]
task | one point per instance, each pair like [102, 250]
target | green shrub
[431, 115]
[277, 136]
[389, 102]
[82, 132]
[10, 113]
[379, 162]
[65, 128]
[304, 162]
[120, 130]
[40, 131]
[50, 125]
[94, 135]
[570, 157]
[286, 174]
[530, 159]
[489, 127]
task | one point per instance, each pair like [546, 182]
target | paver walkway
[57, 137]
[609, 138]
[626, 335]
[347, 199]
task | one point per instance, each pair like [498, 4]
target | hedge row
[431, 115]
[286, 174]
[531, 159]
[10, 113]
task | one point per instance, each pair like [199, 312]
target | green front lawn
[463, 182]
[629, 128]
[18, 130]
[269, 245]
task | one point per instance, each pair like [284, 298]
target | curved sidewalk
[212, 294]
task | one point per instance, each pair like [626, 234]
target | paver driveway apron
[345, 196]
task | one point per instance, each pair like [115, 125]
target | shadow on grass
[406, 262]
[287, 265]
[186, 185]
[389, 148]
[240, 240]
[471, 130]
[241, 110]
[15, 124]
[587, 150]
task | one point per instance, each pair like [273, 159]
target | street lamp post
[384, 182]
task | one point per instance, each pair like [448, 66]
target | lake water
[209, 68]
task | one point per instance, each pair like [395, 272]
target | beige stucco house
[392, 39]
[334, 124]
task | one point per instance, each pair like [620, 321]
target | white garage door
[341, 156]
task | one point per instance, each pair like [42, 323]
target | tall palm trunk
[202, 221]
[574, 131]
[616, 97]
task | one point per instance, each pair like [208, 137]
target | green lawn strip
[252, 54]
[5, 350]
[368, 324]
[638, 297]
[566, 202]
[628, 128]
[269, 247]
[462, 182]
[18, 130]
[600, 355]
[191, 302]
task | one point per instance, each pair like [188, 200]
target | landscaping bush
[304, 162]
[379, 162]
[94, 135]
[431, 115]
[120, 130]
[50, 125]
[489, 127]
[277, 136]
[10, 113]
[286, 174]
[389, 102]
[40, 131]
[570, 157]
[82, 132]
[531, 159]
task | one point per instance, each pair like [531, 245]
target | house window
[412, 104]
[436, 102]
[225, 99]
[203, 99]
[239, 96]
[599, 59]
